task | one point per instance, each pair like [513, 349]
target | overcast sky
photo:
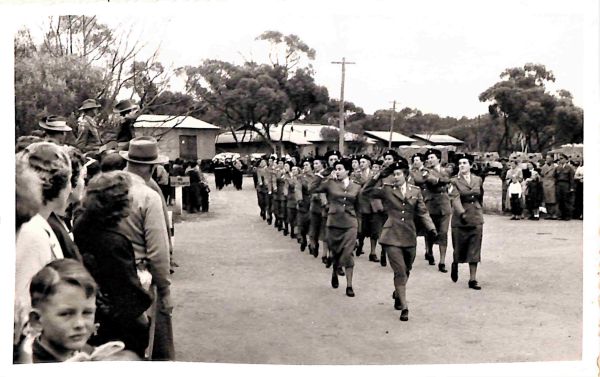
[434, 55]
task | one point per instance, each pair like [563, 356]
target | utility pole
[341, 141]
[392, 123]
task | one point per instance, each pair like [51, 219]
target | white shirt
[346, 182]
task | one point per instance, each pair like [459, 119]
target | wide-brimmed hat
[89, 103]
[54, 123]
[124, 105]
[144, 150]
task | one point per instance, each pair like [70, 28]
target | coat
[549, 183]
[564, 175]
[435, 192]
[403, 210]
[303, 196]
[343, 201]
[466, 198]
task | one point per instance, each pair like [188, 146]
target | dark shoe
[431, 260]
[303, 246]
[404, 315]
[474, 285]
[340, 271]
[454, 272]
[383, 260]
[324, 260]
[285, 231]
[329, 261]
[397, 303]
[349, 292]
[334, 281]
[269, 221]
[373, 258]
[442, 268]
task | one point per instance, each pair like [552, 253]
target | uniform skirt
[341, 242]
[467, 244]
[441, 222]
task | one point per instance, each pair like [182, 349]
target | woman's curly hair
[52, 164]
[106, 198]
[77, 163]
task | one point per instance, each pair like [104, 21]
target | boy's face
[67, 318]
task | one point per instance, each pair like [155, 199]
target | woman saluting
[342, 222]
[404, 204]
[467, 219]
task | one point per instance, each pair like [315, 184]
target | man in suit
[435, 194]
[565, 187]
[404, 203]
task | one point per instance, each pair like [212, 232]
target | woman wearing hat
[318, 217]
[88, 132]
[379, 213]
[435, 193]
[342, 223]
[303, 200]
[405, 205]
[289, 192]
[467, 219]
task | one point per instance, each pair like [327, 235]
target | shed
[423, 139]
[183, 137]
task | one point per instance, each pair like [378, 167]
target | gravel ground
[245, 294]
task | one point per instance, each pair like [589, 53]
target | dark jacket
[68, 247]
[108, 256]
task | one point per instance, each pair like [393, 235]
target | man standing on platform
[88, 131]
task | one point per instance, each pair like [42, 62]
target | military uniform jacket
[564, 174]
[466, 198]
[278, 183]
[343, 201]
[364, 199]
[435, 192]
[303, 195]
[289, 190]
[417, 177]
[89, 135]
[399, 229]
[262, 180]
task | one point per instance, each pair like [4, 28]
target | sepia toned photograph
[290, 183]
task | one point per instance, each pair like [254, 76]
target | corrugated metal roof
[254, 137]
[172, 121]
[439, 139]
[385, 136]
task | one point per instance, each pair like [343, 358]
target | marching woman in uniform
[342, 223]
[303, 200]
[316, 230]
[289, 193]
[404, 203]
[467, 219]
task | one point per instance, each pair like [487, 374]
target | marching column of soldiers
[331, 204]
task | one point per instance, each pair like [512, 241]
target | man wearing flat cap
[435, 193]
[146, 228]
[56, 129]
[88, 132]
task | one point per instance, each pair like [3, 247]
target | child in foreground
[63, 301]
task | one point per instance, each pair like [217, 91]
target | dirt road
[245, 294]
